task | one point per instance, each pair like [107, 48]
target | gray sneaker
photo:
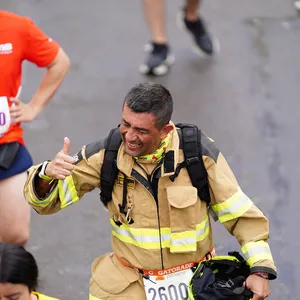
[158, 61]
[203, 42]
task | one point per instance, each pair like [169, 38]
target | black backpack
[190, 140]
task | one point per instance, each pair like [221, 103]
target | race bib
[173, 286]
[4, 115]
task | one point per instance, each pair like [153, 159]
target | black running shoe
[158, 61]
[202, 40]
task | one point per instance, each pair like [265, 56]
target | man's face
[139, 132]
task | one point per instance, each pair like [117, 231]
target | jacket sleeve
[84, 178]
[237, 212]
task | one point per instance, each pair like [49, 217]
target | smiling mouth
[134, 145]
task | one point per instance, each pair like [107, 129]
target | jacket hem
[272, 273]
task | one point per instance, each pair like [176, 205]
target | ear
[165, 131]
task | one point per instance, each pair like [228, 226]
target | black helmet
[221, 277]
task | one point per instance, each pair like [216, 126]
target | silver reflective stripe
[138, 238]
[165, 237]
[257, 250]
[200, 232]
[184, 241]
[68, 196]
[235, 207]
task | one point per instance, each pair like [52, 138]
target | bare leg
[14, 210]
[192, 7]
[154, 11]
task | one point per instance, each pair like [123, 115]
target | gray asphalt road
[246, 99]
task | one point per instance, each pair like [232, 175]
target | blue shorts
[21, 163]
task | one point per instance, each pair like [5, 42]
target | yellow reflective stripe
[183, 241]
[141, 231]
[232, 208]
[258, 257]
[93, 298]
[67, 192]
[143, 238]
[141, 244]
[44, 201]
[184, 235]
[256, 251]
[225, 257]
[150, 238]
[202, 229]
[183, 248]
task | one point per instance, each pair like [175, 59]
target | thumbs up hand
[63, 164]
[66, 147]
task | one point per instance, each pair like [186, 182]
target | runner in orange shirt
[21, 39]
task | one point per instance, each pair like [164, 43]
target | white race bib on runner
[174, 286]
[4, 115]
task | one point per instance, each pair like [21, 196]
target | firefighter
[160, 227]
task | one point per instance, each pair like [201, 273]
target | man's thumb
[66, 146]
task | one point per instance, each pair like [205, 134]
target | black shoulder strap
[191, 145]
[109, 170]
[190, 137]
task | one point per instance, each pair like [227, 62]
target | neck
[34, 297]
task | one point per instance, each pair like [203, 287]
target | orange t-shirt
[20, 39]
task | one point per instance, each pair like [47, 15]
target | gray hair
[151, 98]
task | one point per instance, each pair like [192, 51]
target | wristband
[42, 172]
[262, 275]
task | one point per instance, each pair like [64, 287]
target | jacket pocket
[182, 200]
[108, 279]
